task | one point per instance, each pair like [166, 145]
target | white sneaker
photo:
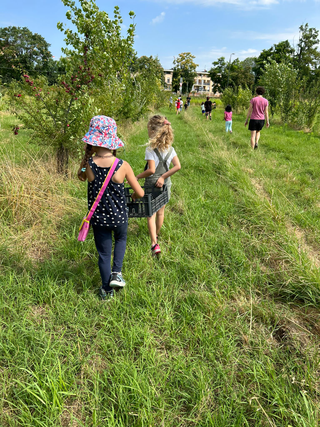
[117, 281]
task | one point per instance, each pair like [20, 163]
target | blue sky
[208, 29]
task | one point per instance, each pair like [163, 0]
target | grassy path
[223, 330]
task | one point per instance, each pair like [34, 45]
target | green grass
[198, 100]
[222, 330]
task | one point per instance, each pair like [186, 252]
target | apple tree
[184, 67]
[97, 58]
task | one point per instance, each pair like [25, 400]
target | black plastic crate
[148, 205]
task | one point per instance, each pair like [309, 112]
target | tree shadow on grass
[71, 261]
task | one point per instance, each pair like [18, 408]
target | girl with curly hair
[159, 155]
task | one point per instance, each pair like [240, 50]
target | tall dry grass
[34, 199]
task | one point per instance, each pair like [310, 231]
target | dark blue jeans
[103, 241]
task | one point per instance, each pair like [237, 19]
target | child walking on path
[228, 118]
[203, 108]
[159, 155]
[110, 216]
[208, 108]
[178, 105]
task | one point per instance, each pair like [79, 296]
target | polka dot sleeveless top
[111, 210]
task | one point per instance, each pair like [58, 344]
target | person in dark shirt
[208, 107]
[188, 100]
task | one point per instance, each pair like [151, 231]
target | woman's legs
[253, 138]
[257, 137]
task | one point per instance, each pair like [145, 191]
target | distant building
[168, 79]
[202, 82]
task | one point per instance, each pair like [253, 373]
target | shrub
[308, 106]
[96, 63]
[239, 99]
[58, 114]
[100, 79]
[297, 101]
[282, 87]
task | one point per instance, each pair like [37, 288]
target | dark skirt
[256, 125]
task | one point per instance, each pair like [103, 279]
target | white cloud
[212, 53]
[201, 2]
[275, 37]
[263, 2]
[249, 52]
[242, 4]
[206, 58]
[6, 24]
[159, 18]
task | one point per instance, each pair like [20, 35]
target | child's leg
[227, 127]
[152, 229]
[159, 219]
[103, 241]
[120, 243]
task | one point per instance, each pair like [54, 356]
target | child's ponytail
[84, 162]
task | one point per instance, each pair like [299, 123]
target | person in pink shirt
[178, 105]
[228, 118]
[258, 113]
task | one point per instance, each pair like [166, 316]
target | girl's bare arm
[267, 116]
[176, 168]
[133, 182]
[150, 171]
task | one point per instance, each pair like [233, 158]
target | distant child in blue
[228, 118]
[203, 108]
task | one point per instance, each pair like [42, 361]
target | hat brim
[97, 140]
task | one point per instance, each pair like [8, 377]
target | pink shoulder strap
[104, 186]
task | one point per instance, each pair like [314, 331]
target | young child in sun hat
[110, 217]
[159, 155]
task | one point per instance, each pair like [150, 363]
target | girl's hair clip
[83, 169]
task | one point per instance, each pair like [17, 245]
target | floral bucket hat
[103, 133]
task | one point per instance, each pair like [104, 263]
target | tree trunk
[62, 160]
